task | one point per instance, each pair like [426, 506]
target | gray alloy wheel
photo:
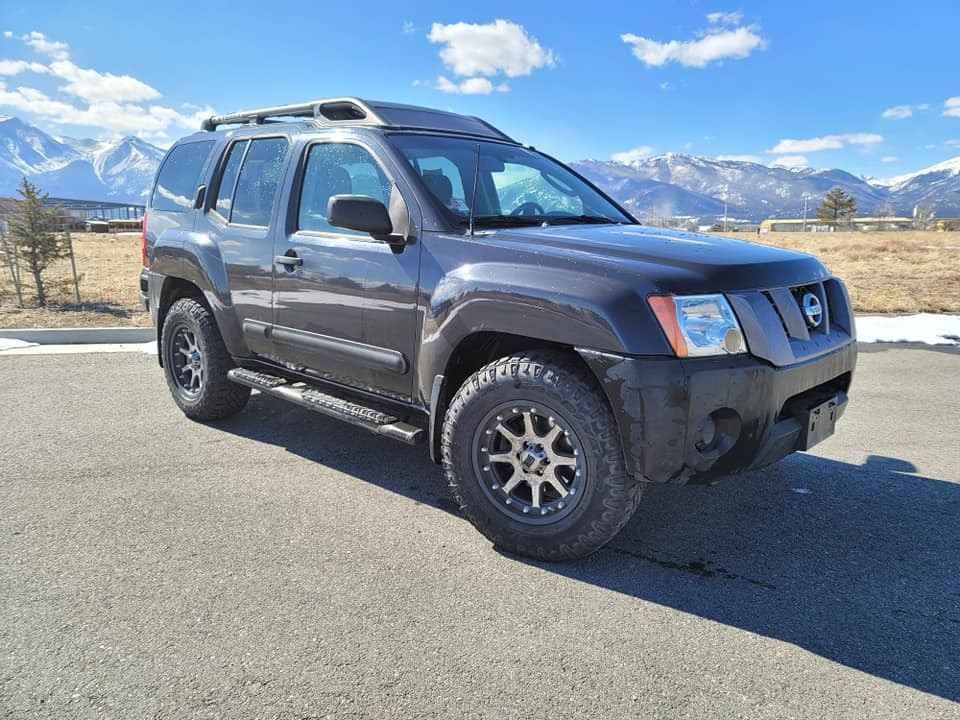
[531, 461]
[532, 456]
[195, 363]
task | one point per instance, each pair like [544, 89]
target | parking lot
[284, 565]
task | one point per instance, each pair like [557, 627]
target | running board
[311, 398]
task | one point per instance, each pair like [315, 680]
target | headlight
[699, 324]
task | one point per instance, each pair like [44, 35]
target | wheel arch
[171, 290]
[474, 352]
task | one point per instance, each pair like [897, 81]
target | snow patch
[11, 343]
[923, 328]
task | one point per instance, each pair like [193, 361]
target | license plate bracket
[818, 422]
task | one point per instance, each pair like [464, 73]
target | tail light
[143, 240]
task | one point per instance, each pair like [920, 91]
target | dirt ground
[885, 272]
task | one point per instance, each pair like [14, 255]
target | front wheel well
[474, 352]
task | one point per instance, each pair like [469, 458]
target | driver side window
[338, 169]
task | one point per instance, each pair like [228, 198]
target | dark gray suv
[422, 275]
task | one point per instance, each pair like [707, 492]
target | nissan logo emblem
[812, 309]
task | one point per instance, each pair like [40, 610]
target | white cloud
[898, 112]
[951, 107]
[888, 159]
[90, 98]
[952, 143]
[725, 18]
[31, 100]
[629, 156]
[741, 158]
[500, 47]
[42, 44]
[92, 86]
[15, 67]
[826, 142]
[8, 33]
[470, 86]
[724, 38]
[408, 28]
[791, 161]
[901, 112]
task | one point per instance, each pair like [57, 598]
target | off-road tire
[217, 397]
[554, 381]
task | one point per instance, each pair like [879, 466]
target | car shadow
[857, 563]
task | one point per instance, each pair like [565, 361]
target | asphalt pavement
[284, 565]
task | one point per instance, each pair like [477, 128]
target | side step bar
[313, 399]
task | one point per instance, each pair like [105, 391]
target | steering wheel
[528, 209]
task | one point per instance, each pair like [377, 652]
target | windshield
[515, 186]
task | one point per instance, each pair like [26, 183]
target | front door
[344, 302]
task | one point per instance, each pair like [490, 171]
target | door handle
[291, 260]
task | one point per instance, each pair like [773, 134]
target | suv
[422, 275]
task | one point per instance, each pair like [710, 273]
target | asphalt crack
[703, 568]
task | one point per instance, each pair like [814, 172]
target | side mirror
[360, 212]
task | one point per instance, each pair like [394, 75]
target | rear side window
[179, 177]
[251, 176]
[228, 180]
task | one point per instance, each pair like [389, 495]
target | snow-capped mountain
[120, 171]
[751, 190]
[666, 185]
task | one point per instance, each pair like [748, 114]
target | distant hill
[666, 185]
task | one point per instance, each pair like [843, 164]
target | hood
[669, 260]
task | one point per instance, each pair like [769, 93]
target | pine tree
[33, 233]
[837, 207]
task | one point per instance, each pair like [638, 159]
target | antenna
[476, 180]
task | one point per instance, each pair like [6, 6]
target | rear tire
[533, 457]
[195, 363]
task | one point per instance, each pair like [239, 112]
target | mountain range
[118, 171]
[673, 184]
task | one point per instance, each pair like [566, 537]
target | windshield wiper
[505, 220]
[580, 220]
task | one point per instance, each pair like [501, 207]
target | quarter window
[179, 177]
[251, 176]
[338, 169]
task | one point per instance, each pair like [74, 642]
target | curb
[81, 336]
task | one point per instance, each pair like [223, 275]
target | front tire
[195, 363]
[533, 457]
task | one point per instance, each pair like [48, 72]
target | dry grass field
[108, 267]
[885, 272]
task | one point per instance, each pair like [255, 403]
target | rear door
[240, 222]
[347, 309]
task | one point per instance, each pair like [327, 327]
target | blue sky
[800, 83]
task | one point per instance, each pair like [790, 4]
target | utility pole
[806, 196]
[724, 215]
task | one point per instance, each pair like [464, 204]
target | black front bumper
[695, 419]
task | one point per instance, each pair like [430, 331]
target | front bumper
[695, 419]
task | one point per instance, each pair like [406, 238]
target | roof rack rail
[353, 111]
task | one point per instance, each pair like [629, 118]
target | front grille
[789, 305]
[776, 326]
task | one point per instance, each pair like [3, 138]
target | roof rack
[353, 111]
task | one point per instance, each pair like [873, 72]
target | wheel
[533, 457]
[195, 362]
